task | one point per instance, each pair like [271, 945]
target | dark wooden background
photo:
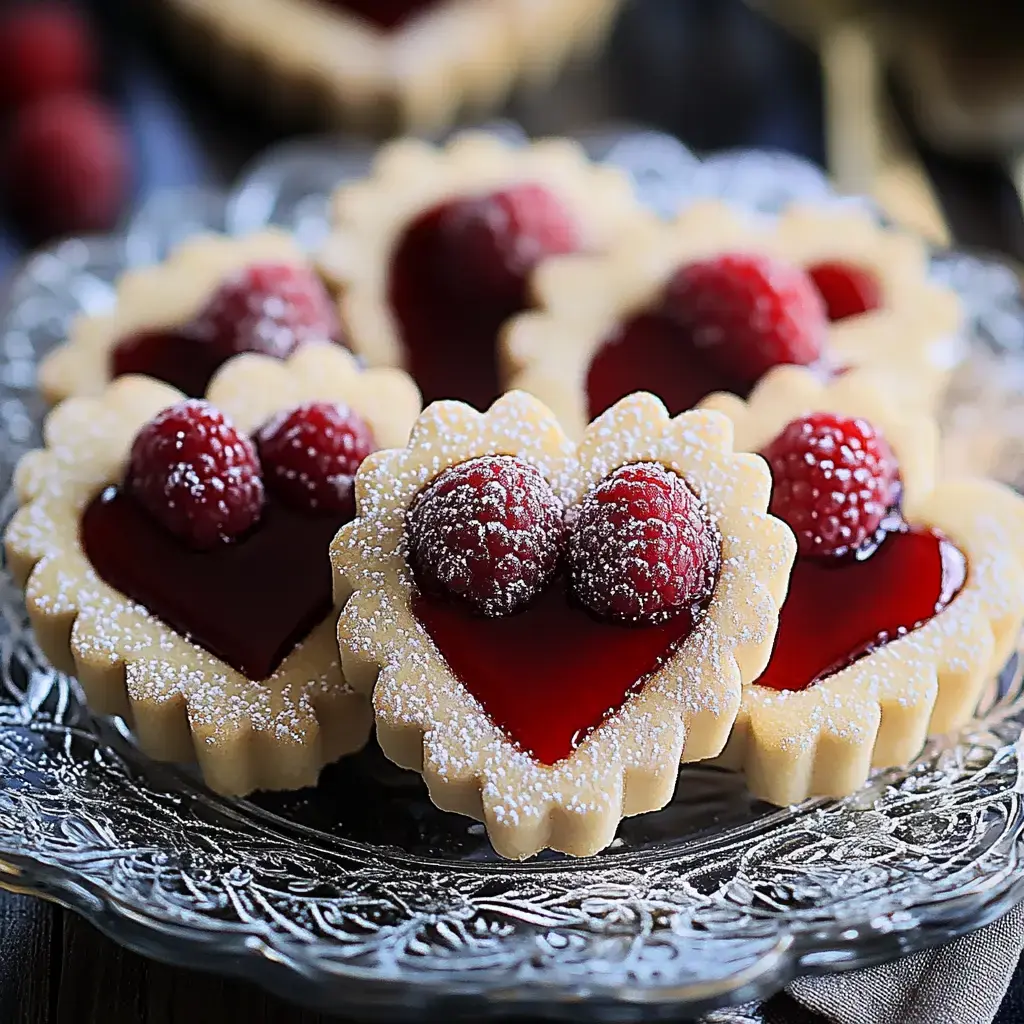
[709, 70]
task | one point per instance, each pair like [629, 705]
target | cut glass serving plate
[360, 894]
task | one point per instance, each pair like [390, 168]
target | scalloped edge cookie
[876, 713]
[583, 298]
[163, 295]
[409, 177]
[463, 55]
[183, 703]
[428, 722]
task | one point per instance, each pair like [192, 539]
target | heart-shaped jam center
[248, 603]
[386, 14]
[458, 272]
[548, 675]
[847, 289]
[269, 308]
[225, 537]
[863, 576]
[552, 617]
[719, 324]
[650, 352]
[841, 609]
[170, 354]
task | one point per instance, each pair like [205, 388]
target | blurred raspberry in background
[65, 163]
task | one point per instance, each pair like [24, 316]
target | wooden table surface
[761, 89]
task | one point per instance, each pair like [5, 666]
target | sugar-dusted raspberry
[310, 455]
[489, 532]
[641, 546]
[66, 167]
[45, 49]
[271, 308]
[846, 289]
[747, 313]
[487, 245]
[196, 474]
[834, 479]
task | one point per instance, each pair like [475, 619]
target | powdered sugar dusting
[877, 711]
[684, 710]
[277, 732]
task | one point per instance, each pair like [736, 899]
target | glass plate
[360, 893]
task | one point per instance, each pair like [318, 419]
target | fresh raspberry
[845, 288]
[45, 49]
[641, 547]
[748, 313]
[310, 455]
[487, 246]
[196, 474]
[834, 479]
[66, 167]
[271, 308]
[489, 532]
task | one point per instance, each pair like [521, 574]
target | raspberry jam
[848, 290]
[386, 14]
[841, 609]
[548, 675]
[248, 603]
[458, 272]
[650, 353]
[168, 354]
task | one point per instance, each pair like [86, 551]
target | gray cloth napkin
[962, 983]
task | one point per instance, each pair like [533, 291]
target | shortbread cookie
[713, 300]
[184, 578]
[432, 252]
[906, 598]
[178, 321]
[548, 630]
[381, 64]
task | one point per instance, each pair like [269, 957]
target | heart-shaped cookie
[178, 321]
[714, 299]
[433, 252]
[223, 653]
[906, 598]
[546, 629]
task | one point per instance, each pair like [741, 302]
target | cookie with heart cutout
[548, 629]
[214, 297]
[431, 253]
[174, 557]
[906, 598]
[716, 298]
[385, 64]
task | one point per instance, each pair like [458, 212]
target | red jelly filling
[385, 14]
[168, 354]
[458, 273]
[649, 352]
[248, 603]
[839, 610]
[548, 675]
[847, 289]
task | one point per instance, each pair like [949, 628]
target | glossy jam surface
[168, 354]
[449, 342]
[386, 14]
[550, 674]
[839, 610]
[247, 603]
[650, 353]
[847, 289]
[449, 321]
